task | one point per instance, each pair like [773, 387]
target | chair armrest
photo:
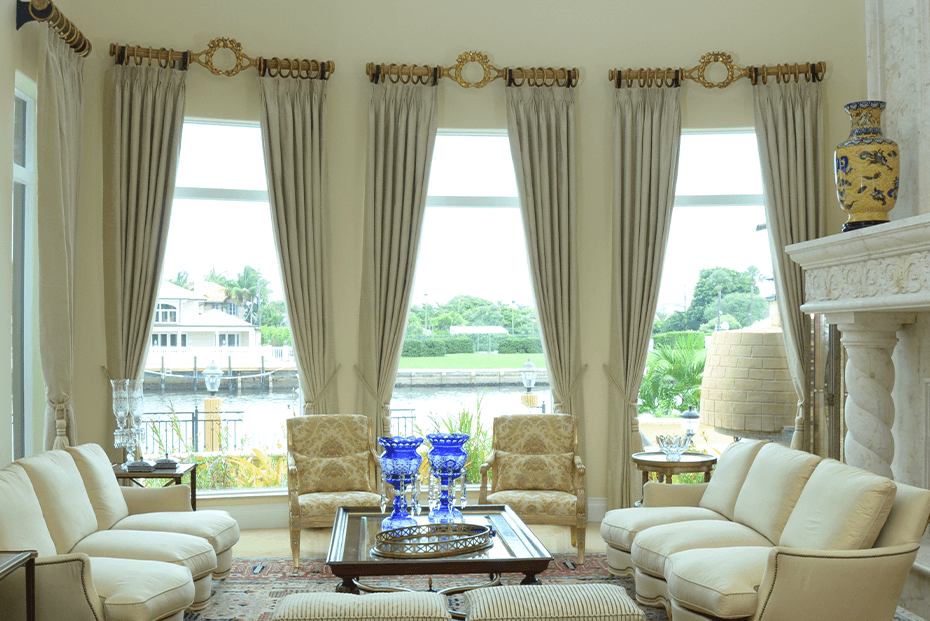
[293, 506]
[483, 492]
[64, 590]
[848, 584]
[581, 506]
[153, 499]
[673, 495]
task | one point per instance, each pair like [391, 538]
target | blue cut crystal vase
[400, 465]
[447, 459]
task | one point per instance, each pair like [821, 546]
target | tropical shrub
[672, 380]
[478, 446]
[513, 345]
[687, 338]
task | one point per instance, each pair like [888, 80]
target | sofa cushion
[729, 475]
[653, 546]
[548, 471]
[772, 487]
[577, 602]
[332, 474]
[59, 487]
[23, 525]
[133, 590]
[620, 526]
[840, 508]
[193, 553]
[370, 607]
[537, 502]
[719, 582]
[219, 528]
[907, 520]
[100, 483]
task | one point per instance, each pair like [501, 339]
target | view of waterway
[255, 420]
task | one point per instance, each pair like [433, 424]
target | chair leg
[580, 544]
[574, 536]
[295, 541]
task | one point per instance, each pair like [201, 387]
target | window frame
[24, 271]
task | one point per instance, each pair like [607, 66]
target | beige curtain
[401, 134]
[647, 132]
[541, 126]
[60, 139]
[293, 119]
[789, 128]
[142, 142]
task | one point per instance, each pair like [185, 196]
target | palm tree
[673, 378]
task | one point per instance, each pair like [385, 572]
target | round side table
[664, 469]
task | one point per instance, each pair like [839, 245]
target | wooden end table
[10, 562]
[174, 476]
[665, 469]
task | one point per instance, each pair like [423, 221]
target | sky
[465, 250]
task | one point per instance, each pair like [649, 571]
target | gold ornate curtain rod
[45, 11]
[430, 74]
[272, 67]
[673, 77]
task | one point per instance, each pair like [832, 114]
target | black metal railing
[190, 432]
[402, 422]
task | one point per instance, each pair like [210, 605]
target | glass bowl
[673, 445]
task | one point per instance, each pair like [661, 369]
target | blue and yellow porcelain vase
[867, 168]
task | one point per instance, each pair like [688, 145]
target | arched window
[166, 313]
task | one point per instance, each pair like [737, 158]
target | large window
[717, 273]
[223, 295]
[472, 322]
[24, 267]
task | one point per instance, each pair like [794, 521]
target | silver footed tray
[432, 540]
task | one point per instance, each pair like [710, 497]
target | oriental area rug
[256, 585]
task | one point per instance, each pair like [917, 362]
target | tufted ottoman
[574, 602]
[371, 607]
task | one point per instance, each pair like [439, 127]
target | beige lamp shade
[746, 390]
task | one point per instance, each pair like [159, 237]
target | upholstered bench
[552, 603]
[369, 607]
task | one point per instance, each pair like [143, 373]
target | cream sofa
[777, 534]
[106, 552]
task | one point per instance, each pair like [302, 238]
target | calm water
[263, 416]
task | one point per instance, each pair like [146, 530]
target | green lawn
[474, 361]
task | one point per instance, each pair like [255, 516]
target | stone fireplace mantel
[874, 284]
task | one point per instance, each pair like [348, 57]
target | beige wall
[593, 36]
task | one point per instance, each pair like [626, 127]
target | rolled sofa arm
[673, 495]
[64, 590]
[833, 585]
[152, 499]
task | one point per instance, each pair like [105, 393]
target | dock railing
[176, 432]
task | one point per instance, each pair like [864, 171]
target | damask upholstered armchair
[536, 469]
[331, 463]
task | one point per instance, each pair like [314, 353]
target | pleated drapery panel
[789, 128]
[60, 116]
[145, 107]
[293, 121]
[647, 134]
[402, 123]
[541, 126]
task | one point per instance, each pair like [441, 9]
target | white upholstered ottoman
[370, 607]
[574, 602]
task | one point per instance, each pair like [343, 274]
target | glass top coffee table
[514, 549]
